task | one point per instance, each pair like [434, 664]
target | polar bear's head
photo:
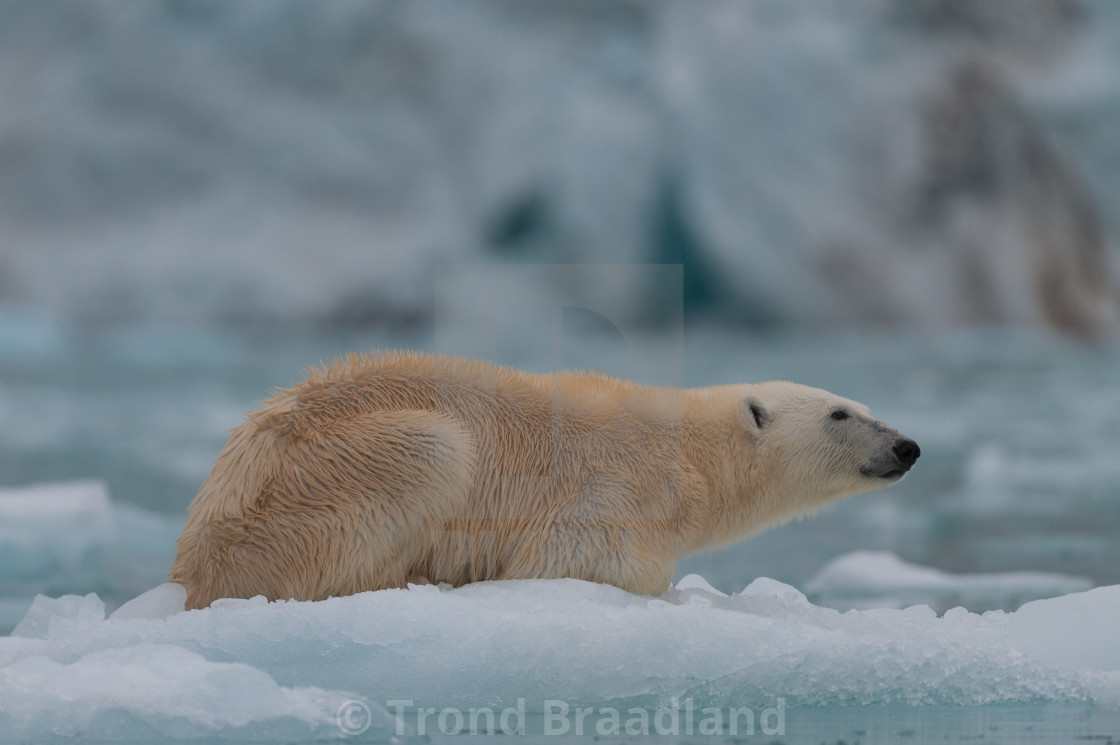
[811, 447]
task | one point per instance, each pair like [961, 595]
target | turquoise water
[870, 725]
[890, 725]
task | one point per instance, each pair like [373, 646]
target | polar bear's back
[376, 471]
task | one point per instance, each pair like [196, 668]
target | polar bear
[379, 471]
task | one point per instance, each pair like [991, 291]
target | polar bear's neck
[731, 499]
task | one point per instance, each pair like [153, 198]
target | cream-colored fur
[402, 467]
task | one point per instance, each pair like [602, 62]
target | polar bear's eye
[839, 415]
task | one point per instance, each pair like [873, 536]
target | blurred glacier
[280, 671]
[879, 161]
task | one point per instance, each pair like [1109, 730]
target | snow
[252, 669]
[870, 579]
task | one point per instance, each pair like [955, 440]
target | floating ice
[63, 536]
[257, 669]
[869, 579]
[48, 525]
[52, 617]
[33, 517]
[1075, 631]
[144, 690]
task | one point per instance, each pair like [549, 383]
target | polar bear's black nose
[907, 452]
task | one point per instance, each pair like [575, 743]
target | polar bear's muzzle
[904, 453]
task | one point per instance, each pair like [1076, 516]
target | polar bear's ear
[754, 412]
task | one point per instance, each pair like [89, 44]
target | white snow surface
[253, 669]
[876, 579]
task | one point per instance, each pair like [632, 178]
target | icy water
[902, 725]
[1020, 472]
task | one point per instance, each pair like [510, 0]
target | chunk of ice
[135, 692]
[158, 602]
[49, 618]
[1078, 631]
[696, 582]
[774, 588]
[491, 643]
